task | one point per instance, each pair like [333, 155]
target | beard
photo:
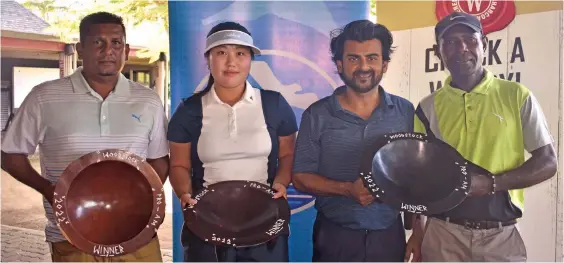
[107, 73]
[359, 86]
[107, 70]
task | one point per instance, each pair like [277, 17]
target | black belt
[472, 224]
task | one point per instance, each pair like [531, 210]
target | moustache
[107, 60]
[360, 72]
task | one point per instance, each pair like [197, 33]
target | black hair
[220, 27]
[361, 30]
[96, 19]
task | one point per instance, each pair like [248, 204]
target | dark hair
[220, 27]
[96, 19]
[361, 30]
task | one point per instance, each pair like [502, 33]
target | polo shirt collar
[482, 88]
[249, 96]
[342, 89]
[80, 85]
[387, 97]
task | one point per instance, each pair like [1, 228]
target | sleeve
[534, 125]
[26, 130]
[306, 154]
[158, 144]
[183, 124]
[288, 124]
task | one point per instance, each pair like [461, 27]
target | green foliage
[373, 7]
[155, 11]
[62, 26]
[147, 11]
[64, 17]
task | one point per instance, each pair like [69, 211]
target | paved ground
[27, 245]
[23, 221]
[21, 244]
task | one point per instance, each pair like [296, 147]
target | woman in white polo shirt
[222, 133]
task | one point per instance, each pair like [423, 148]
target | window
[142, 77]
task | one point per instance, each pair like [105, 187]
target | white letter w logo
[474, 3]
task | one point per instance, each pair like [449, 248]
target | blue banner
[295, 61]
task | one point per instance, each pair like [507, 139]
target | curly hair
[361, 30]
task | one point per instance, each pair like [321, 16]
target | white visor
[233, 37]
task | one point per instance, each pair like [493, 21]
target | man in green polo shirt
[491, 122]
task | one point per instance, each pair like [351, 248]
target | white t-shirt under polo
[234, 143]
[67, 119]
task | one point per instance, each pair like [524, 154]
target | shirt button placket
[470, 113]
[104, 122]
[232, 123]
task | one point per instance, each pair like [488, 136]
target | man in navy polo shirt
[351, 225]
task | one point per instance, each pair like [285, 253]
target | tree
[64, 17]
[60, 26]
[147, 11]
[155, 11]
[373, 7]
[45, 8]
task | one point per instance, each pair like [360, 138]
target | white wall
[25, 78]
[540, 37]
[560, 220]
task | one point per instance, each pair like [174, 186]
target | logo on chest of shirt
[137, 117]
[498, 116]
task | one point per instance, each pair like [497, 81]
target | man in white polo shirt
[95, 108]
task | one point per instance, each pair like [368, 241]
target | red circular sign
[494, 15]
